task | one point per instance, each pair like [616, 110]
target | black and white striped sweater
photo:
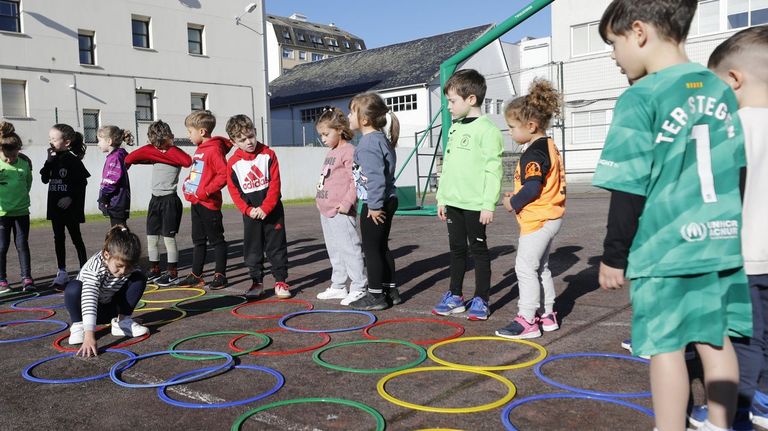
[99, 286]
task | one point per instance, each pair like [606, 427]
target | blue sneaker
[478, 309]
[760, 409]
[698, 416]
[449, 304]
[741, 422]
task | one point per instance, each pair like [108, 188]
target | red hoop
[459, 329]
[269, 301]
[131, 341]
[326, 340]
[27, 310]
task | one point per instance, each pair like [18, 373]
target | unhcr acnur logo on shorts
[693, 232]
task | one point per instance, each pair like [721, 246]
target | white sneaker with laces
[352, 297]
[332, 293]
[76, 333]
[62, 278]
[127, 327]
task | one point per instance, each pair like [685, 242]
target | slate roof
[404, 64]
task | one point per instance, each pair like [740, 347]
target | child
[539, 204]
[254, 184]
[469, 189]
[115, 189]
[15, 183]
[673, 154]
[107, 289]
[736, 63]
[66, 177]
[203, 189]
[336, 198]
[374, 173]
[165, 208]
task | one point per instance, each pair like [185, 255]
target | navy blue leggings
[123, 302]
[752, 353]
[20, 228]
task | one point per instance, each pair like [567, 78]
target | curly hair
[159, 132]
[117, 135]
[542, 102]
[239, 125]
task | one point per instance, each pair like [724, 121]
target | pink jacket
[336, 187]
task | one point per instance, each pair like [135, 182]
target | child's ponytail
[371, 107]
[119, 136]
[123, 244]
[542, 102]
[8, 136]
[76, 144]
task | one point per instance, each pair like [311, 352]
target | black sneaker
[370, 302]
[153, 275]
[394, 296]
[191, 281]
[28, 285]
[219, 282]
[166, 280]
[256, 290]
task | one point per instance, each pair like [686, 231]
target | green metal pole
[449, 66]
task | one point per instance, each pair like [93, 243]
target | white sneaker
[61, 279]
[353, 296]
[127, 328]
[76, 333]
[332, 293]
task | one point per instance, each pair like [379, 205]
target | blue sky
[384, 23]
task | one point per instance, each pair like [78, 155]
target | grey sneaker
[166, 280]
[127, 328]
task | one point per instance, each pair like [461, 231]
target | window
[406, 102]
[199, 101]
[300, 36]
[144, 105]
[333, 42]
[140, 28]
[706, 19]
[310, 115]
[286, 35]
[585, 39]
[10, 18]
[488, 106]
[195, 39]
[747, 13]
[14, 98]
[316, 56]
[346, 44]
[85, 42]
[499, 106]
[90, 126]
[590, 126]
[287, 53]
[358, 46]
[302, 55]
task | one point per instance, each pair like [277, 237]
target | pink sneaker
[282, 290]
[549, 322]
[520, 329]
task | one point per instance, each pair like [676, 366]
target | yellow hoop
[182, 314]
[151, 287]
[510, 394]
[539, 347]
[199, 293]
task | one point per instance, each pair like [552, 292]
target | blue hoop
[280, 382]
[27, 373]
[15, 305]
[353, 328]
[62, 326]
[508, 424]
[200, 372]
[539, 374]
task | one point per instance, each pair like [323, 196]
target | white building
[592, 81]
[89, 63]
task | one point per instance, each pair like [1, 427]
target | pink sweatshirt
[336, 187]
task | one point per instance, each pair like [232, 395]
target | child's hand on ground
[486, 217]
[611, 278]
[441, 213]
[64, 202]
[507, 201]
[260, 214]
[378, 216]
[88, 348]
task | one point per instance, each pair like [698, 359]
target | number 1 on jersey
[700, 134]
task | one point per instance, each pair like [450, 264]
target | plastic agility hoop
[16, 305]
[62, 326]
[130, 342]
[556, 384]
[197, 374]
[511, 406]
[279, 384]
[27, 373]
[151, 287]
[32, 310]
[458, 333]
[325, 340]
[235, 311]
[541, 349]
[283, 319]
[380, 424]
[510, 394]
[182, 314]
[420, 350]
[264, 343]
[207, 297]
[199, 293]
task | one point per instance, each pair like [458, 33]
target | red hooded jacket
[208, 174]
[254, 179]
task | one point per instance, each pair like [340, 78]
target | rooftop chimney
[298, 17]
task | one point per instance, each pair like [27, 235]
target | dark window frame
[198, 29]
[203, 96]
[11, 18]
[145, 26]
[90, 50]
[90, 134]
[150, 107]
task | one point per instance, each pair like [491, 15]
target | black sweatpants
[464, 228]
[59, 238]
[379, 261]
[207, 228]
[266, 237]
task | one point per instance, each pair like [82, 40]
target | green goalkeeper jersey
[676, 140]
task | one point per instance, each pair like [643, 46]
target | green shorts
[670, 312]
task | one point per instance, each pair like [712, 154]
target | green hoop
[265, 342]
[419, 349]
[380, 424]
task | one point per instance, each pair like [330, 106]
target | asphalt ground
[592, 321]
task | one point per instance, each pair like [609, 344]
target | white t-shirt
[754, 233]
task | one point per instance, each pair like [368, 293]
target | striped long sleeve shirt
[99, 286]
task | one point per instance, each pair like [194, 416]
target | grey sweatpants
[344, 251]
[532, 269]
